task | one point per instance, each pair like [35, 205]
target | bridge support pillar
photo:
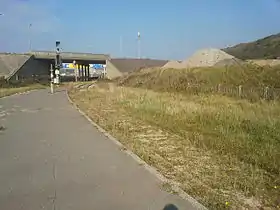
[83, 72]
[88, 75]
[78, 71]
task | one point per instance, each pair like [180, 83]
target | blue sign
[98, 66]
[65, 65]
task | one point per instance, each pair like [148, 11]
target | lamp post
[75, 69]
[139, 45]
[121, 46]
[29, 27]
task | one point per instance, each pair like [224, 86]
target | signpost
[52, 79]
[104, 71]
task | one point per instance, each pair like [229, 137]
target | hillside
[265, 48]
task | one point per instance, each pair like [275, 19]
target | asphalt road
[51, 157]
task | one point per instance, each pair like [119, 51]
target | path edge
[174, 185]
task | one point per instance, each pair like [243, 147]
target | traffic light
[57, 61]
[57, 43]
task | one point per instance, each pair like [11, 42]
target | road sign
[98, 66]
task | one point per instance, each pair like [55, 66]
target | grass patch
[248, 75]
[13, 90]
[211, 80]
[224, 152]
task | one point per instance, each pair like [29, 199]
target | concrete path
[51, 157]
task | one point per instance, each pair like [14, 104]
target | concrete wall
[10, 63]
[111, 71]
[32, 67]
[133, 64]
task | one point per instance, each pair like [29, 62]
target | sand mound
[206, 57]
[173, 65]
[266, 62]
[229, 62]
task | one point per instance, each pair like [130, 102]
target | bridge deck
[70, 55]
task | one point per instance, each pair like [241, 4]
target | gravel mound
[206, 58]
[173, 65]
[265, 62]
[229, 62]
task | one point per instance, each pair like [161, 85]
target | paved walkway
[51, 157]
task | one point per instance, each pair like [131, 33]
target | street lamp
[139, 44]
[75, 69]
[29, 27]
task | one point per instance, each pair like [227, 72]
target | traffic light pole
[57, 62]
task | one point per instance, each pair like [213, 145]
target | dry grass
[223, 152]
[10, 91]
[178, 80]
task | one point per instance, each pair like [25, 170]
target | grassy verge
[10, 91]
[223, 152]
[256, 82]
[178, 79]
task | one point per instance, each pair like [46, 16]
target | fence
[250, 93]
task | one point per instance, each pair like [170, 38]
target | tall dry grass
[218, 148]
[206, 79]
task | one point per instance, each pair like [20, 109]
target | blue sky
[169, 29]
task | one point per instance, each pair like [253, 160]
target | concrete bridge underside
[82, 60]
[22, 66]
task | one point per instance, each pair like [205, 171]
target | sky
[168, 29]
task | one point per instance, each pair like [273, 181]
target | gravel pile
[173, 65]
[267, 62]
[229, 62]
[205, 58]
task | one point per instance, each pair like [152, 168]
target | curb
[174, 185]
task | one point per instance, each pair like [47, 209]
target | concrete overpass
[21, 66]
[70, 56]
[83, 60]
